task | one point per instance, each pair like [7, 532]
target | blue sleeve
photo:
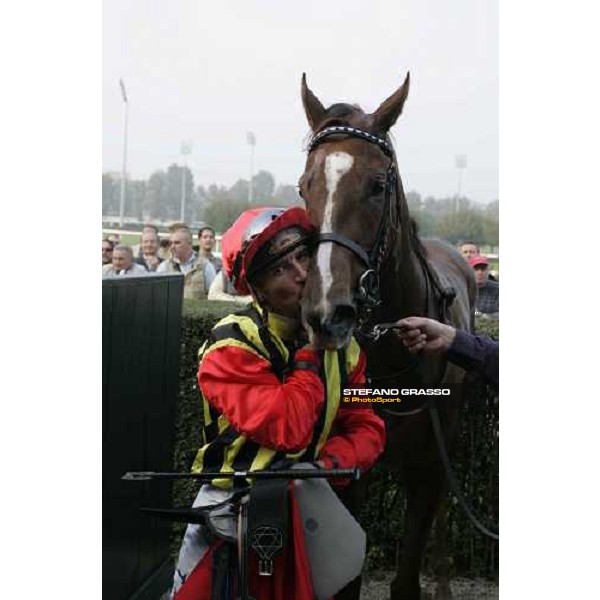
[476, 353]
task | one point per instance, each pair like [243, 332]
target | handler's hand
[419, 333]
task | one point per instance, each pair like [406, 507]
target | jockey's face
[280, 286]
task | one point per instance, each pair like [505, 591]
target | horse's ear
[389, 110]
[312, 105]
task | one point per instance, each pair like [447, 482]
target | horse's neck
[404, 285]
[405, 293]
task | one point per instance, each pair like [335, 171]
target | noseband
[368, 295]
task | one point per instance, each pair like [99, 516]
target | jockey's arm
[243, 387]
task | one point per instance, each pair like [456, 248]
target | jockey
[269, 397]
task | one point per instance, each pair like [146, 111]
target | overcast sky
[210, 72]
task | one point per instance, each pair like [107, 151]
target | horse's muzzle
[332, 329]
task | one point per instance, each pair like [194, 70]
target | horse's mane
[415, 239]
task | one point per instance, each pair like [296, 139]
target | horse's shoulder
[444, 258]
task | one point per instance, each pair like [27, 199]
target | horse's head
[348, 185]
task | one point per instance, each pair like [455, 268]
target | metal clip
[377, 333]
[265, 567]
[381, 329]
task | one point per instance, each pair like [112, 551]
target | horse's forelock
[344, 114]
[341, 110]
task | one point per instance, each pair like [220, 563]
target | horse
[370, 267]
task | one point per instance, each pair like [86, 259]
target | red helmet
[252, 230]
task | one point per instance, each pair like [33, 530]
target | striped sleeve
[242, 386]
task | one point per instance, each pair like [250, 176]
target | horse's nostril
[343, 314]
[314, 322]
[337, 325]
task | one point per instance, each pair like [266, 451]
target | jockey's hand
[427, 335]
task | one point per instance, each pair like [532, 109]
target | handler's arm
[476, 353]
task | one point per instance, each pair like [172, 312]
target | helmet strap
[277, 361]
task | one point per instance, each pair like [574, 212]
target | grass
[130, 239]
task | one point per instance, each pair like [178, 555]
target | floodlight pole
[461, 164]
[251, 138]
[124, 170]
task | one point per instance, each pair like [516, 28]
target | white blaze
[337, 164]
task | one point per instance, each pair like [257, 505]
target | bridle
[368, 294]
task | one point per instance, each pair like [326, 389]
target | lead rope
[452, 480]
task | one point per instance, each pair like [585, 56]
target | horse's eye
[301, 184]
[376, 187]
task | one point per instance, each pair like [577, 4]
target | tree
[134, 206]
[426, 223]
[154, 203]
[221, 214]
[414, 202]
[110, 200]
[461, 225]
[491, 230]
[173, 191]
[287, 195]
[263, 186]
[239, 191]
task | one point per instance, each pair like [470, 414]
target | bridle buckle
[368, 288]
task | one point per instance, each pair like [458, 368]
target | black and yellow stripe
[226, 450]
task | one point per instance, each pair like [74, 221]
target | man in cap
[487, 302]
[269, 397]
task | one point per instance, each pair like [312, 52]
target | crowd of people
[487, 302]
[202, 270]
[206, 279]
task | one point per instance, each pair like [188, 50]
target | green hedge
[198, 318]
[382, 513]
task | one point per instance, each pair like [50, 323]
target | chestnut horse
[370, 267]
